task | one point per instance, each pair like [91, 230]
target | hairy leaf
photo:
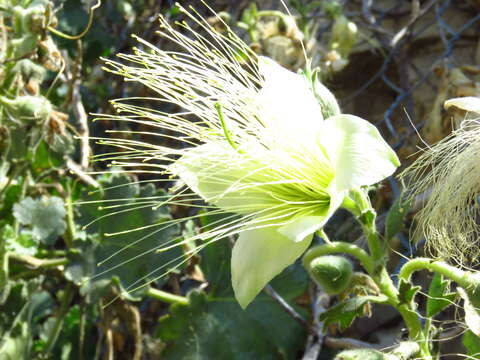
[45, 216]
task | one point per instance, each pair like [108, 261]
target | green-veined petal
[224, 177]
[261, 254]
[358, 152]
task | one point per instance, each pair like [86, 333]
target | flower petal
[358, 152]
[467, 103]
[303, 226]
[287, 105]
[258, 256]
[225, 178]
[215, 172]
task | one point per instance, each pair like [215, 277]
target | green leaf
[24, 304]
[471, 343]
[407, 292]
[472, 315]
[249, 15]
[345, 312]
[135, 260]
[45, 216]
[437, 298]
[396, 217]
[195, 331]
[11, 196]
[22, 244]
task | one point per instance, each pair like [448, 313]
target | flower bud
[344, 35]
[332, 272]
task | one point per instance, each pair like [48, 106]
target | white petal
[467, 103]
[258, 256]
[358, 152]
[225, 178]
[287, 105]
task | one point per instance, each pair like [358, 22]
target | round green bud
[332, 272]
[360, 354]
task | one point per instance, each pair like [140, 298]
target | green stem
[70, 233]
[36, 262]
[321, 233]
[226, 132]
[339, 247]
[82, 34]
[57, 326]
[359, 205]
[461, 277]
[377, 249]
[167, 297]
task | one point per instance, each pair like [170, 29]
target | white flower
[256, 144]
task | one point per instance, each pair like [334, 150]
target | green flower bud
[324, 96]
[344, 35]
[333, 273]
[27, 108]
[360, 354]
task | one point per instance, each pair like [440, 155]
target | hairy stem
[339, 247]
[459, 276]
[359, 205]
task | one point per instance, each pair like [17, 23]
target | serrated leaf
[263, 331]
[437, 299]
[396, 217]
[471, 343]
[45, 216]
[345, 312]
